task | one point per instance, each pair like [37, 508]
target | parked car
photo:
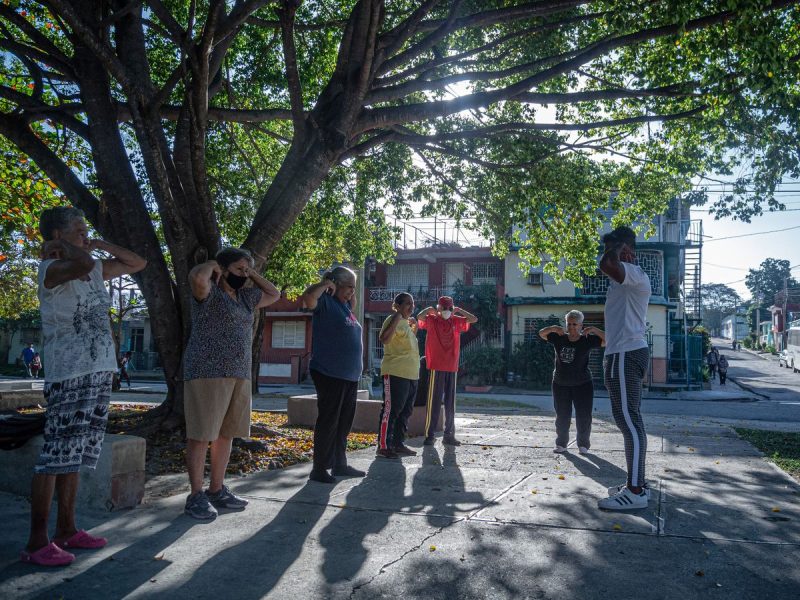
[783, 358]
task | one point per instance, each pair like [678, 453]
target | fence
[529, 361]
[146, 361]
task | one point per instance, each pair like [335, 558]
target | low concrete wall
[19, 393]
[302, 410]
[117, 482]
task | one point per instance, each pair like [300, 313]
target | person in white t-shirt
[626, 360]
[81, 360]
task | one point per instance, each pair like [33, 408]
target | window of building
[289, 334]
[485, 273]
[137, 339]
[451, 273]
[535, 278]
[407, 277]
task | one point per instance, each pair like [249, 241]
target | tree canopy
[180, 126]
[717, 301]
[768, 279]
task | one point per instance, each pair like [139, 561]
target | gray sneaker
[198, 507]
[224, 498]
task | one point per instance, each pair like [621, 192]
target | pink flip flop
[84, 541]
[48, 556]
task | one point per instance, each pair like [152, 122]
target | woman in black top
[572, 381]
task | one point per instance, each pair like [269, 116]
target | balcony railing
[421, 294]
[681, 232]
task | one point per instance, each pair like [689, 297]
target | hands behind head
[53, 248]
[330, 286]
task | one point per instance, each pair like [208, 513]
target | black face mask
[235, 281]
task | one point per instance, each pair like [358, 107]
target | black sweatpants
[582, 398]
[336, 407]
[723, 375]
[441, 388]
[398, 403]
[623, 374]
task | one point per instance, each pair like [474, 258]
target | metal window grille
[651, 262]
[484, 273]
[407, 276]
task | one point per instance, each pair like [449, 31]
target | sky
[728, 260]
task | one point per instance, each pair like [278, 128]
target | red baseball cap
[446, 303]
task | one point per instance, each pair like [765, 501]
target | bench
[302, 410]
[117, 482]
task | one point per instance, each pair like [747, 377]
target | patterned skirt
[75, 423]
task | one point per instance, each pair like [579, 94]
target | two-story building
[428, 273]
[671, 258]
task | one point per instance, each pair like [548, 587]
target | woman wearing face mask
[572, 381]
[217, 370]
[400, 371]
[336, 366]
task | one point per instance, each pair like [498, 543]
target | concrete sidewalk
[499, 517]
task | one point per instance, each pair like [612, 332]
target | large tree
[717, 301]
[512, 113]
[771, 276]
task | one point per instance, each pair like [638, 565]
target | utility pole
[784, 316]
[758, 317]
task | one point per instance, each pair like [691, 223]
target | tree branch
[286, 14]
[443, 27]
[23, 137]
[103, 52]
[383, 117]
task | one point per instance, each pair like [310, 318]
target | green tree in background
[180, 126]
[718, 301]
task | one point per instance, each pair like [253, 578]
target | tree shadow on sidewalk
[261, 561]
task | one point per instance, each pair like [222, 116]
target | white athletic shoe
[616, 489]
[583, 450]
[624, 500]
[559, 449]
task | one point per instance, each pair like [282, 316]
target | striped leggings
[623, 374]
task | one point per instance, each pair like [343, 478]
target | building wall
[516, 282]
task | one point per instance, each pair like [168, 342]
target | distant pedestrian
[124, 365]
[444, 324]
[336, 366]
[722, 367]
[400, 371]
[27, 357]
[81, 360]
[734, 345]
[711, 362]
[217, 372]
[626, 360]
[36, 365]
[572, 380]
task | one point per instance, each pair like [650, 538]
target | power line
[731, 237]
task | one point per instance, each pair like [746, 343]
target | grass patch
[781, 447]
[473, 402]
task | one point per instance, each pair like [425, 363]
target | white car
[783, 359]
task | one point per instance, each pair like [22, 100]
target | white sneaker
[583, 450]
[559, 449]
[616, 489]
[624, 500]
